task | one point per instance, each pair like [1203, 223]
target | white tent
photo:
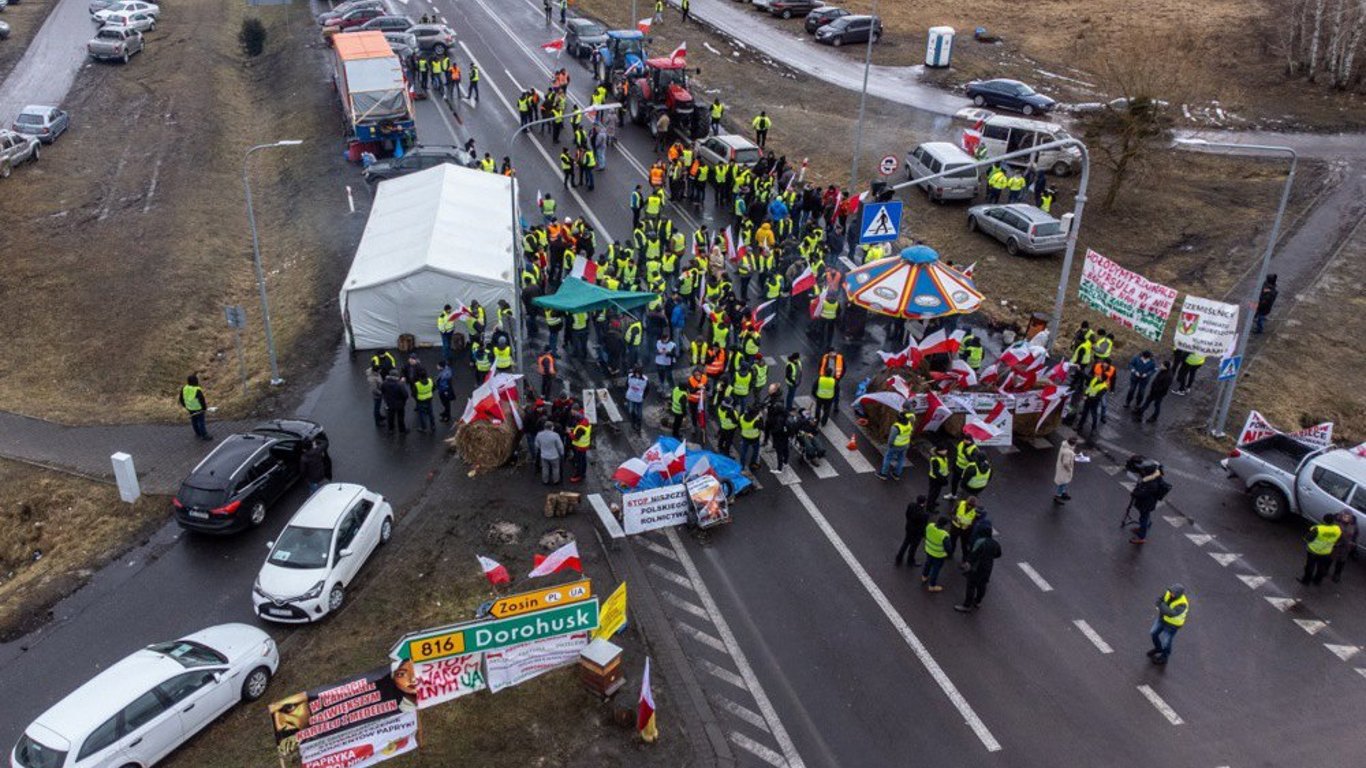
[433, 237]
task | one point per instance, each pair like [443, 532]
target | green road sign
[479, 636]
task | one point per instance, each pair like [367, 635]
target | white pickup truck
[1284, 475]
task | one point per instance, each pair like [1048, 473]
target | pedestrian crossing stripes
[708, 640]
[839, 442]
[687, 606]
[787, 476]
[669, 575]
[740, 711]
[755, 748]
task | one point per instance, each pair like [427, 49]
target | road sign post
[490, 635]
[237, 320]
[888, 165]
[1229, 366]
[881, 222]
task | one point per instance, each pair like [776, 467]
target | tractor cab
[669, 79]
[623, 52]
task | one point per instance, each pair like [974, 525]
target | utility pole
[275, 379]
[862, 103]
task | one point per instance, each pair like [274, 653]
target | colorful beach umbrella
[914, 284]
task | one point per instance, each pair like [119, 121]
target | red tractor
[663, 87]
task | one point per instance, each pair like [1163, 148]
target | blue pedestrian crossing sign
[881, 222]
[1228, 367]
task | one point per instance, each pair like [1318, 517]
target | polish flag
[562, 558]
[936, 413]
[941, 343]
[701, 467]
[585, 269]
[1052, 396]
[983, 430]
[815, 308]
[494, 571]
[894, 400]
[730, 247]
[899, 385]
[484, 405]
[553, 45]
[804, 282]
[989, 375]
[964, 372]
[645, 711]
[754, 316]
[901, 357]
[1058, 374]
[458, 311]
[680, 52]
[644, 25]
[674, 462]
[630, 472]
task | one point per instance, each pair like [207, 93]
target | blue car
[42, 123]
[1009, 94]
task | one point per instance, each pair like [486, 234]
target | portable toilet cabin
[939, 47]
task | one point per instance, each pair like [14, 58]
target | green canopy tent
[576, 295]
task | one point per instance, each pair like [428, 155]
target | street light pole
[275, 379]
[862, 103]
[1224, 400]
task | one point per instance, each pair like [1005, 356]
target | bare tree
[1323, 39]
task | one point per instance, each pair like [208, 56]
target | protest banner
[1257, 427]
[447, 679]
[1127, 297]
[654, 508]
[517, 664]
[357, 722]
[612, 619]
[1206, 326]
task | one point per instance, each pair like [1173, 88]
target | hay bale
[1027, 424]
[484, 444]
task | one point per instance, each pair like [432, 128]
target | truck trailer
[376, 106]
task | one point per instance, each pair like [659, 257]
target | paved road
[49, 66]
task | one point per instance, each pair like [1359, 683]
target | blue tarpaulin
[727, 469]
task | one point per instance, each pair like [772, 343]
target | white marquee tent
[433, 237]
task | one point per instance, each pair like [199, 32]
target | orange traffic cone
[853, 442]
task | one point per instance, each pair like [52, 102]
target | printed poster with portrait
[357, 722]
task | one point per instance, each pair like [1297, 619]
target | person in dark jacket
[1157, 390]
[313, 465]
[1149, 490]
[981, 559]
[917, 517]
[1265, 302]
[395, 394]
[779, 431]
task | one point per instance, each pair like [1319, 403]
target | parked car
[850, 29]
[1002, 134]
[759, 5]
[345, 8]
[583, 36]
[1286, 476]
[385, 24]
[144, 706]
[99, 5]
[42, 123]
[231, 488]
[1022, 227]
[730, 148]
[4, 30]
[433, 38]
[419, 158]
[404, 44]
[124, 6]
[115, 43]
[934, 157]
[789, 8]
[1009, 94]
[320, 552]
[351, 19]
[822, 16]
[137, 20]
[14, 149]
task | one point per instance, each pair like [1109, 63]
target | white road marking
[721, 673]
[1253, 582]
[1034, 576]
[751, 682]
[1281, 604]
[1224, 558]
[785, 477]
[1129, 485]
[755, 748]
[1200, 539]
[513, 79]
[152, 187]
[1093, 636]
[921, 652]
[840, 444]
[702, 637]
[741, 711]
[1174, 521]
[1162, 706]
[655, 548]
[1343, 652]
[1110, 469]
[609, 405]
[669, 575]
[1312, 626]
[1361, 671]
[684, 605]
[590, 405]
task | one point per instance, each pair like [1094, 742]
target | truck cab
[1285, 475]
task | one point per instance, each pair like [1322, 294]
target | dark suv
[419, 158]
[231, 488]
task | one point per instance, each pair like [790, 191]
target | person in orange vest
[546, 365]
[697, 389]
[832, 365]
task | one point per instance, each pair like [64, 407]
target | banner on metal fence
[1127, 297]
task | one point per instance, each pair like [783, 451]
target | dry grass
[24, 21]
[55, 531]
[1307, 370]
[126, 240]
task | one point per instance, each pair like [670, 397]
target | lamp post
[1077, 207]
[862, 102]
[1224, 400]
[275, 379]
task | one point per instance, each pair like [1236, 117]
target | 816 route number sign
[490, 635]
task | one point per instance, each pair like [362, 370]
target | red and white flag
[458, 311]
[1052, 396]
[815, 308]
[804, 282]
[988, 375]
[674, 462]
[585, 269]
[983, 430]
[730, 246]
[553, 45]
[494, 571]
[645, 711]
[630, 472]
[644, 25]
[894, 400]
[701, 467]
[936, 413]
[562, 558]
[968, 271]
[758, 318]
[964, 372]
[907, 355]
[940, 343]
[680, 52]
[1058, 373]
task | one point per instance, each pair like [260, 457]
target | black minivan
[231, 488]
[850, 29]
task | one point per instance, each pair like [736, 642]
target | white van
[937, 156]
[1002, 134]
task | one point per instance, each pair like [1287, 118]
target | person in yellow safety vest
[1095, 391]
[581, 438]
[192, 399]
[761, 374]
[742, 383]
[964, 516]
[773, 287]
[898, 441]
[718, 110]
[698, 351]
[977, 475]
[600, 96]
[751, 430]
[936, 533]
[727, 421]
[964, 453]
[1046, 200]
[1185, 375]
[720, 333]
[1016, 184]
[567, 168]
[423, 388]
[483, 361]
[972, 351]
[1172, 609]
[1104, 345]
[654, 204]
[824, 390]
[792, 376]
[749, 342]
[938, 476]
[761, 124]
[502, 355]
[438, 74]
[1081, 354]
[1319, 549]
[668, 263]
[487, 164]
[997, 181]
[446, 327]
[474, 83]
[422, 71]
[678, 408]
[383, 362]
[634, 336]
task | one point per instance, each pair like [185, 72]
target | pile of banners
[669, 462]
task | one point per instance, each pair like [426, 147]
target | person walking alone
[1172, 609]
[1320, 541]
[917, 517]
[636, 384]
[981, 559]
[192, 399]
[550, 449]
[1062, 471]
[1265, 301]
[445, 389]
[761, 124]
[1157, 390]
[686, 8]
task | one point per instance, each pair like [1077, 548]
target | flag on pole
[562, 558]
[494, 571]
[645, 712]
[630, 472]
[644, 25]
[730, 247]
[936, 413]
[680, 52]
[701, 467]
[674, 462]
[758, 318]
[553, 45]
[894, 400]
[585, 269]
[804, 282]
[968, 272]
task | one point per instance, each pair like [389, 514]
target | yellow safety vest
[934, 541]
[903, 434]
[825, 388]
[1325, 536]
[939, 467]
[964, 516]
[726, 418]
[583, 436]
[979, 480]
[742, 382]
[1183, 603]
[963, 454]
[444, 323]
[829, 309]
[502, 357]
[749, 428]
[190, 394]
[423, 389]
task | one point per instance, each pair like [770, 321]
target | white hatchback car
[126, 6]
[151, 702]
[320, 552]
